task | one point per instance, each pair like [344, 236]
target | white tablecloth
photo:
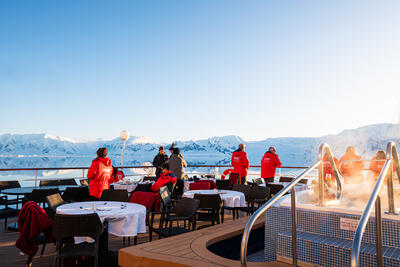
[128, 187]
[231, 199]
[124, 219]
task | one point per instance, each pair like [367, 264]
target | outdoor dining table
[27, 190]
[232, 199]
[124, 219]
[130, 187]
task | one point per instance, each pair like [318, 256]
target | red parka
[164, 179]
[269, 163]
[240, 162]
[100, 172]
[351, 165]
[328, 168]
[118, 176]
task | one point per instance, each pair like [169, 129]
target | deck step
[331, 251]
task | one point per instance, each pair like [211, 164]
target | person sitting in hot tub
[351, 165]
[166, 177]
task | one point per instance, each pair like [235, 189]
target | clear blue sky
[193, 69]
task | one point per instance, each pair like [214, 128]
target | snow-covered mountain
[42, 150]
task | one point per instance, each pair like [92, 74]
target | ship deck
[183, 250]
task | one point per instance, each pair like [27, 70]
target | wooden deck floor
[10, 255]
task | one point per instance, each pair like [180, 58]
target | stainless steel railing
[266, 206]
[386, 173]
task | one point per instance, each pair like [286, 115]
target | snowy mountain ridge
[300, 151]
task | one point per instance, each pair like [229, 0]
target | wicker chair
[6, 211]
[115, 195]
[210, 208]
[53, 201]
[184, 210]
[65, 227]
[39, 195]
[143, 188]
[11, 184]
[257, 196]
[223, 184]
[245, 189]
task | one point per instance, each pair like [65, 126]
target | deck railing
[246, 233]
[392, 157]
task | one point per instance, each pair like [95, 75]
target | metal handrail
[387, 172]
[138, 167]
[325, 148]
[262, 209]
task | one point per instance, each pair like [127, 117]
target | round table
[128, 187]
[28, 189]
[124, 218]
[232, 199]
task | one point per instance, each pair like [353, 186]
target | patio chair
[53, 201]
[184, 210]
[257, 196]
[57, 182]
[84, 182]
[284, 179]
[150, 178]
[234, 178]
[39, 195]
[11, 184]
[115, 195]
[143, 188]
[223, 184]
[76, 194]
[6, 211]
[245, 189]
[210, 208]
[199, 186]
[65, 227]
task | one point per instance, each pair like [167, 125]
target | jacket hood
[106, 161]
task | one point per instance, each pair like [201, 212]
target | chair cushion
[81, 249]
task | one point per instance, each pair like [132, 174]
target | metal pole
[36, 174]
[321, 184]
[389, 179]
[83, 173]
[294, 240]
[123, 151]
[378, 224]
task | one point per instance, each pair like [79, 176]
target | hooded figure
[269, 163]
[100, 172]
[350, 164]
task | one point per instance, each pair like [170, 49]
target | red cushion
[147, 199]
[211, 182]
[199, 186]
[234, 178]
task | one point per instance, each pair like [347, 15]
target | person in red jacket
[328, 170]
[351, 165]
[99, 174]
[240, 162]
[117, 176]
[166, 177]
[269, 163]
[377, 163]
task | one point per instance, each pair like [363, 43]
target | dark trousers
[242, 180]
[269, 180]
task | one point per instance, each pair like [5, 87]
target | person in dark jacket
[159, 160]
[176, 164]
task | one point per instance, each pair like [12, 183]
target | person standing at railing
[240, 163]
[328, 170]
[176, 164]
[269, 163]
[351, 165]
[159, 160]
[99, 174]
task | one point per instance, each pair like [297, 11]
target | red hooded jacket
[100, 172]
[164, 179]
[352, 165]
[240, 162]
[118, 176]
[269, 163]
[328, 168]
